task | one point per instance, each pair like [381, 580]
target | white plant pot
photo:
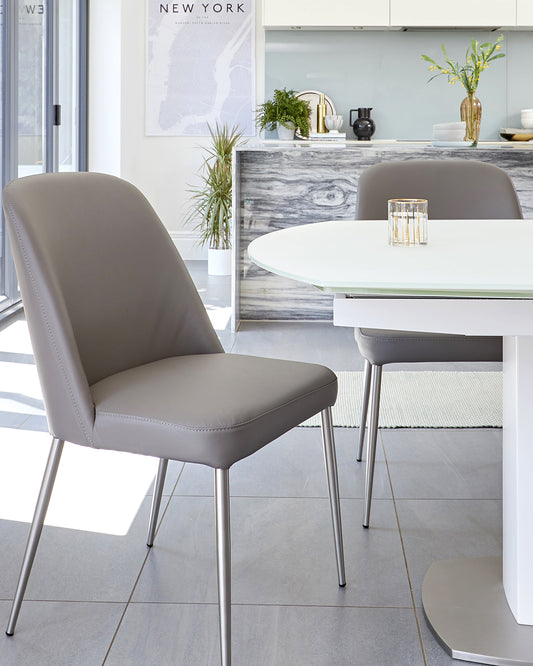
[218, 262]
[285, 132]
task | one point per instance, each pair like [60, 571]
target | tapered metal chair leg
[364, 410]
[156, 500]
[371, 440]
[222, 507]
[39, 515]
[333, 488]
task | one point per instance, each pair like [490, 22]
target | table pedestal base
[466, 608]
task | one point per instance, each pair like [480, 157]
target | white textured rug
[423, 400]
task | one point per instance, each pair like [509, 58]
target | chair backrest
[455, 189]
[103, 286]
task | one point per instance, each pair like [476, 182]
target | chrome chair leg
[333, 489]
[222, 508]
[39, 515]
[156, 500]
[371, 440]
[364, 410]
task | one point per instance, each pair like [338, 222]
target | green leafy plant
[211, 201]
[478, 56]
[284, 108]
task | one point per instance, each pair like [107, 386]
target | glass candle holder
[408, 221]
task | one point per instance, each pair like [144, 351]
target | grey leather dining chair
[455, 189]
[128, 359]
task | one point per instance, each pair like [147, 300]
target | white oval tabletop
[462, 257]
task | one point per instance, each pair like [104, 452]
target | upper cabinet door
[323, 14]
[524, 12]
[454, 13]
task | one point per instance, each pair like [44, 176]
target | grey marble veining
[278, 186]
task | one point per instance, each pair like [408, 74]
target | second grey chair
[128, 359]
[455, 189]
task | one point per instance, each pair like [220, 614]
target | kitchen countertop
[273, 144]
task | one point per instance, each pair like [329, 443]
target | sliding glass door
[31, 85]
[9, 111]
[43, 99]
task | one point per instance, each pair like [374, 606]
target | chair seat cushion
[382, 346]
[212, 408]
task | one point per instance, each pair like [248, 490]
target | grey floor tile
[59, 633]
[12, 419]
[293, 538]
[214, 289]
[198, 481]
[35, 422]
[174, 471]
[282, 553]
[293, 466]
[76, 565]
[156, 634]
[96, 524]
[227, 339]
[441, 463]
[444, 529]
[14, 535]
[315, 342]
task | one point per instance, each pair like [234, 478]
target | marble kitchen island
[281, 184]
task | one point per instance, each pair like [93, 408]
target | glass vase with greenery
[477, 59]
[287, 109]
[212, 199]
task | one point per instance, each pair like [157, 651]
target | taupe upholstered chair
[455, 189]
[128, 359]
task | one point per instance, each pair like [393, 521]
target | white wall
[163, 168]
[104, 115]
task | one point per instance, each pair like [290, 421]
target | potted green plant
[286, 113]
[212, 199]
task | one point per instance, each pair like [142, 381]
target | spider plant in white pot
[212, 199]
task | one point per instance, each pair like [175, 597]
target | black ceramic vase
[363, 125]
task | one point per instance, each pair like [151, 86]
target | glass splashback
[383, 70]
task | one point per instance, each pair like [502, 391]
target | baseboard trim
[188, 245]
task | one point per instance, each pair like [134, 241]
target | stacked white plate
[448, 135]
[449, 131]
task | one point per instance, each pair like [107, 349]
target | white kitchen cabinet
[322, 14]
[524, 13]
[455, 13]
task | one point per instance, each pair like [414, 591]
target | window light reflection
[95, 491]
[219, 317]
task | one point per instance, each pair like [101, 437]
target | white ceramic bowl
[516, 134]
[526, 116]
[333, 122]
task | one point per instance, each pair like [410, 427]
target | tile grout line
[287, 497]
[403, 552]
[19, 427]
[262, 604]
[129, 601]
